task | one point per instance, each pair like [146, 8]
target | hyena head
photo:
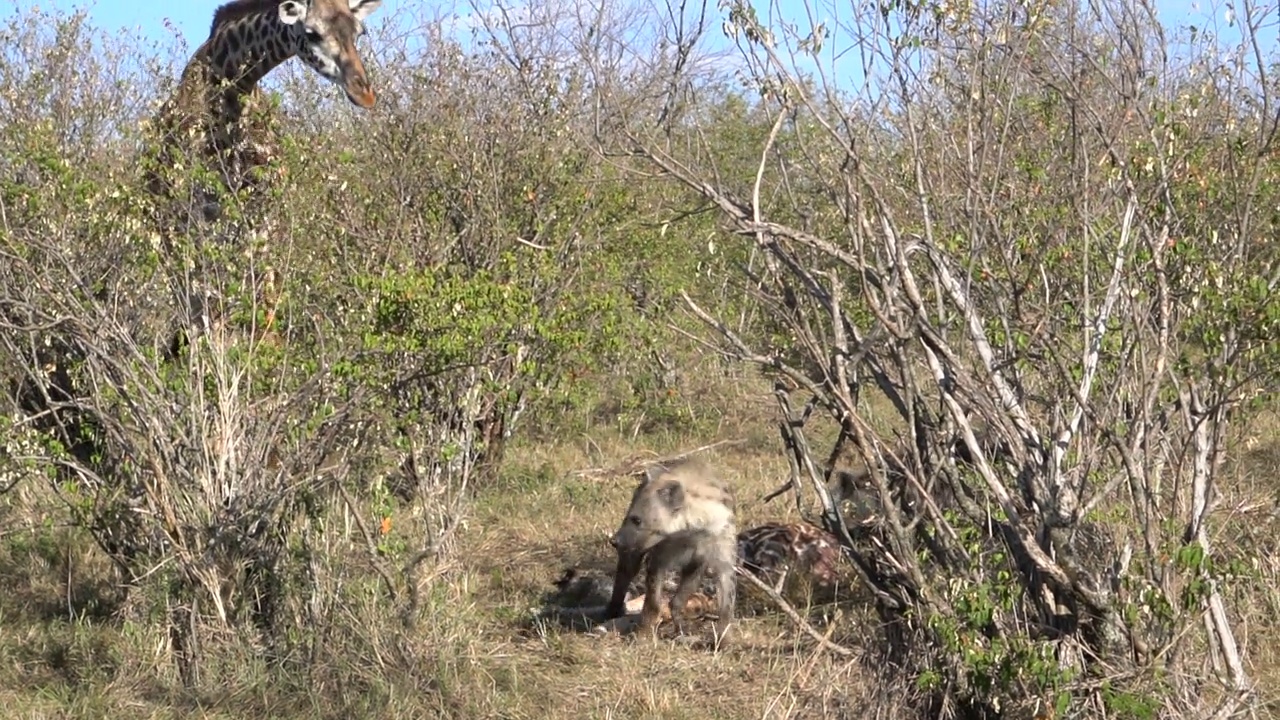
[844, 484]
[671, 500]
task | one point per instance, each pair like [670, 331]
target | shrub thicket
[1022, 259]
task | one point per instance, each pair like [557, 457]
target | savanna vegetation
[322, 455]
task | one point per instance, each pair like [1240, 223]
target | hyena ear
[672, 495]
[651, 473]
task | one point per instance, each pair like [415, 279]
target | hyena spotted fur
[681, 518]
[768, 551]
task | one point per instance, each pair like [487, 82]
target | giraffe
[215, 115]
[216, 111]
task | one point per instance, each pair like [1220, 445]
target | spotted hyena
[681, 518]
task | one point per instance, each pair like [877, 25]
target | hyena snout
[634, 535]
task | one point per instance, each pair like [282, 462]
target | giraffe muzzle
[359, 92]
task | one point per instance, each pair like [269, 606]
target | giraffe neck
[216, 87]
[244, 49]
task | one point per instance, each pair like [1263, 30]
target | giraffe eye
[311, 35]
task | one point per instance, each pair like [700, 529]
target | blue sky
[191, 17]
[188, 20]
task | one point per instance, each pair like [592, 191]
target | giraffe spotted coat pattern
[218, 116]
[770, 550]
[247, 40]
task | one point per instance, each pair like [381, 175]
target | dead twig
[634, 463]
[369, 541]
[533, 245]
[791, 612]
[780, 490]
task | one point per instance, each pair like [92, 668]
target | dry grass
[548, 517]
[476, 653]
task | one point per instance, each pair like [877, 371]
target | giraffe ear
[363, 8]
[291, 11]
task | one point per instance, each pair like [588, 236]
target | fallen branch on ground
[791, 612]
[634, 464]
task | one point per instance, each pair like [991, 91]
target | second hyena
[681, 518]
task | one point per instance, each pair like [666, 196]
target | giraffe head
[324, 34]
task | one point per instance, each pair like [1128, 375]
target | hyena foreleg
[726, 595]
[628, 567]
[651, 613]
[690, 579]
